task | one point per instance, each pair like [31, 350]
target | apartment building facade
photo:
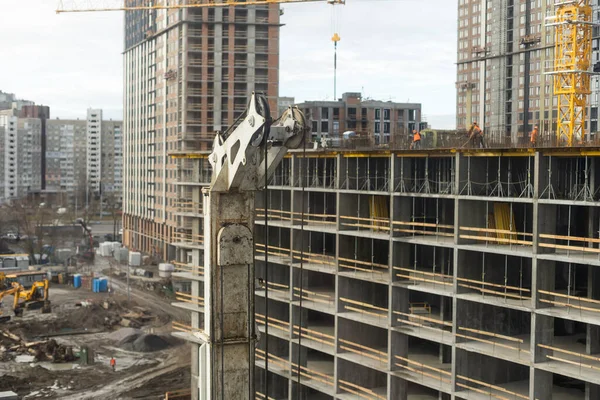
[420, 275]
[78, 148]
[188, 73]
[505, 50]
[20, 155]
[380, 120]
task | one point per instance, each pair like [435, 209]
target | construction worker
[533, 137]
[416, 140]
[113, 363]
[476, 135]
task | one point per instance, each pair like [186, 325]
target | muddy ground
[146, 374]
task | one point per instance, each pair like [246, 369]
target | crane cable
[303, 188]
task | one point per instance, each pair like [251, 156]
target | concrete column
[540, 384]
[542, 328]
[592, 391]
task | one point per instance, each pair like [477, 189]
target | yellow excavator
[38, 294]
[15, 291]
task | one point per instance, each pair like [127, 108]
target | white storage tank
[135, 259]
[116, 246]
[165, 267]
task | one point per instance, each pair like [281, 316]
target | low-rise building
[380, 120]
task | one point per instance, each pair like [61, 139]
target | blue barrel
[77, 281]
[95, 285]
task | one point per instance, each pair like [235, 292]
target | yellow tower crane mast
[572, 60]
[65, 6]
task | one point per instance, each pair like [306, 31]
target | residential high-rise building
[20, 155]
[66, 154]
[188, 73]
[94, 150]
[379, 120]
[505, 51]
[78, 148]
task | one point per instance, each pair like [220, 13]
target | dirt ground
[138, 375]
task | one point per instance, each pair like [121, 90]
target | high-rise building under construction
[505, 58]
[188, 73]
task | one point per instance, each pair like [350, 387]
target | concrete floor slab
[381, 392]
[274, 332]
[366, 361]
[188, 245]
[381, 322]
[374, 276]
[431, 334]
[585, 316]
[576, 257]
[326, 269]
[441, 241]
[365, 233]
[521, 305]
[427, 287]
[518, 251]
[520, 387]
[503, 349]
[188, 276]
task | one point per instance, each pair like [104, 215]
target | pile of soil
[143, 343]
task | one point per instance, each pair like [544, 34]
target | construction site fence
[452, 139]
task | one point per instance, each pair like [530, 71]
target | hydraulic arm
[241, 166]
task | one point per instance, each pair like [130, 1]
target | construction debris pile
[12, 345]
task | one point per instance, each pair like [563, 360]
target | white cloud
[394, 49]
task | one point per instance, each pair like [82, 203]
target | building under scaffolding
[436, 274]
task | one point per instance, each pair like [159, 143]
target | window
[324, 126]
[377, 113]
[352, 113]
[324, 113]
[377, 127]
[314, 126]
[386, 114]
[386, 127]
[336, 113]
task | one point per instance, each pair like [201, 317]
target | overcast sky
[399, 50]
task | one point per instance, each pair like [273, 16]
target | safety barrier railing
[374, 224]
[178, 326]
[191, 299]
[188, 206]
[417, 276]
[363, 351]
[496, 236]
[183, 394]
[516, 344]
[419, 308]
[424, 370]
[312, 374]
[274, 360]
[421, 322]
[192, 269]
[188, 237]
[379, 270]
[567, 302]
[579, 357]
[260, 396]
[296, 217]
[490, 387]
[314, 258]
[366, 309]
[273, 250]
[277, 289]
[309, 295]
[495, 289]
[582, 243]
[278, 324]
[423, 228]
[312, 334]
[360, 391]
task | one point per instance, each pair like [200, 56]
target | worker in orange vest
[416, 140]
[533, 137]
[113, 363]
[476, 136]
